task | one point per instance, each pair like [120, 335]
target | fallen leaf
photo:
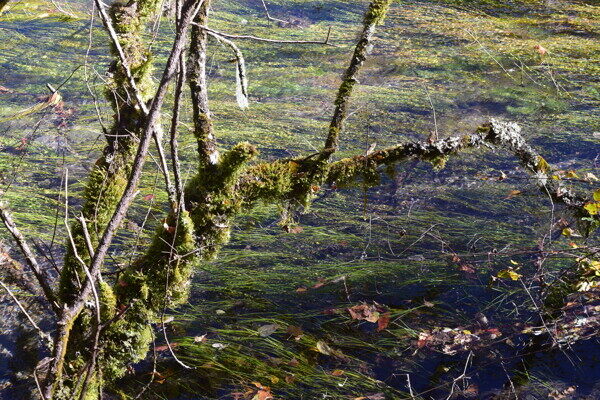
[383, 322]
[294, 331]
[200, 339]
[301, 290]
[571, 174]
[592, 208]
[592, 178]
[323, 348]
[471, 392]
[337, 372]
[148, 197]
[262, 395]
[540, 49]
[267, 330]
[513, 193]
[509, 274]
[295, 229]
[364, 312]
[376, 396]
[166, 347]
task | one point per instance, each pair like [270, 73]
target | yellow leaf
[597, 195]
[542, 165]
[509, 274]
[572, 174]
[592, 208]
[324, 348]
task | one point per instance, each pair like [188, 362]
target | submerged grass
[392, 244]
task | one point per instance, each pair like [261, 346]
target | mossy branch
[280, 180]
[374, 15]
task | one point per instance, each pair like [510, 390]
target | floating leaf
[267, 330]
[542, 165]
[509, 274]
[364, 312]
[592, 208]
[200, 339]
[512, 194]
[383, 322]
[324, 348]
[571, 174]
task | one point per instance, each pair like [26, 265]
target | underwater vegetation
[422, 282]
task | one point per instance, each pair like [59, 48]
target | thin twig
[267, 40]
[43, 335]
[42, 278]
[269, 15]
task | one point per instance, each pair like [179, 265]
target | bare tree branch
[43, 335]
[42, 278]
[267, 40]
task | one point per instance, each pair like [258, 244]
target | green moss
[377, 11]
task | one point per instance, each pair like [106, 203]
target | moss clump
[213, 198]
[377, 11]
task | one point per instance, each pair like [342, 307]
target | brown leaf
[166, 347]
[383, 322]
[376, 396]
[295, 229]
[263, 395]
[301, 289]
[512, 194]
[471, 392]
[337, 372]
[467, 268]
[364, 312]
[540, 49]
[295, 331]
[148, 197]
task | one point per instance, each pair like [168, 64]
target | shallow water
[393, 244]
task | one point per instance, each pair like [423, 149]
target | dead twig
[42, 278]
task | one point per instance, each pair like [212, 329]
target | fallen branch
[42, 278]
